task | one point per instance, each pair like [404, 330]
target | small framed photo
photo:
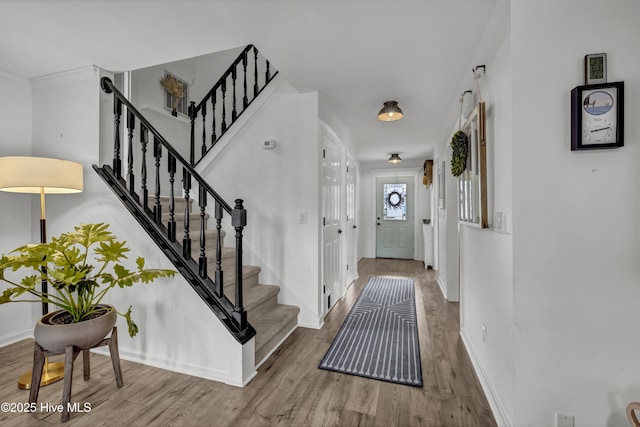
[595, 68]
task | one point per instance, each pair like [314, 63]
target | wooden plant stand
[70, 354]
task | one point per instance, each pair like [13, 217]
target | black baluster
[144, 140]
[157, 207]
[224, 106]
[267, 74]
[255, 72]
[234, 74]
[117, 113]
[213, 117]
[219, 289]
[239, 221]
[186, 240]
[131, 124]
[171, 226]
[245, 99]
[204, 129]
[192, 117]
[202, 262]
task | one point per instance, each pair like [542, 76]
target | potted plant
[78, 285]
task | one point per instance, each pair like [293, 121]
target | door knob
[378, 223]
[355, 226]
[339, 231]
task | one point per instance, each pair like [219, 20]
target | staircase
[273, 322]
[190, 231]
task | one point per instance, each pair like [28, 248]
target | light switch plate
[564, 420]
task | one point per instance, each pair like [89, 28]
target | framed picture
[595, 68]
[597, 116]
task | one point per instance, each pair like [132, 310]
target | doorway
[394, 217]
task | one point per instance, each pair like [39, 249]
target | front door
[394, 217]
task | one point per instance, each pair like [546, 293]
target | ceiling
[355, 53]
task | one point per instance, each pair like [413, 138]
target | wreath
[460, 147]
[396, 204]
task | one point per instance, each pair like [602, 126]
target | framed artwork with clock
[597, 116]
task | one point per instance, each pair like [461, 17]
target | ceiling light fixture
[394, 159]
[390, 112]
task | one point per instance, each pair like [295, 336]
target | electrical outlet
[564, 420]
[484, 333]
[302, 217]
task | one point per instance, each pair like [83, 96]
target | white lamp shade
[35, 174]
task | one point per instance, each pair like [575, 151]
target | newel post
[239, 221]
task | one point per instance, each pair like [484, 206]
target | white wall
[575, 244]
[276, 185]
[485, 255]
[15, 209]
[66, 111]
[328, 115]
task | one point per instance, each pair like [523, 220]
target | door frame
[392, 173]
[325, 130]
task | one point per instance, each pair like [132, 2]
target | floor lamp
[40, 175]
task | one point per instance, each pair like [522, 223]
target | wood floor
[289, 389]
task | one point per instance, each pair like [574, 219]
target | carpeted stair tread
[249, 277]
[178, 203]
[227, 258]
[259, 299]
[272, 327]
[211, 237]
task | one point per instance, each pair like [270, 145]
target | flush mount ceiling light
[394, 159]
[390, 112]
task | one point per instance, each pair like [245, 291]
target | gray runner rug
[379, 337]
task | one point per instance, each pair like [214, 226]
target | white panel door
[351, 227]
[331, 220]
[394, 217]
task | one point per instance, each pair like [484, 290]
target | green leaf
[112, 251]
[29, 282]
[140, 263]
[11, 292]
[133, 328]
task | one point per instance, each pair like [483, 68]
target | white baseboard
[494, 402]
[443, 288]
[10, 339]
[170, 365]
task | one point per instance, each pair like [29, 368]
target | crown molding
[13, 77]
[77, 74]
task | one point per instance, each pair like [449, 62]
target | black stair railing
[223, 100]
[148, 210]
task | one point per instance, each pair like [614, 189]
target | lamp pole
[43, 239]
